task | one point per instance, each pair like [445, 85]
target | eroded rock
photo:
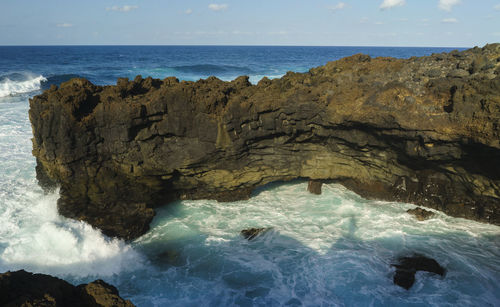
[421, 214]
[408, 266]
[421, 130]
[314, 187]
[252, 233]
[22, 288]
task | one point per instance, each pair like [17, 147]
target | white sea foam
[32, 234]
[38, 239]
[29, 84]
[331, 249]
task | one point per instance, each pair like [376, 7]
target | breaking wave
[20, 83]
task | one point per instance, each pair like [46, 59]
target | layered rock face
[421, 130]
[22, 288]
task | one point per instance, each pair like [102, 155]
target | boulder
[251, 233]
[314, 187]
[408, 266]
[421, 214]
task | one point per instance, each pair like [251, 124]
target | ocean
[335, 249]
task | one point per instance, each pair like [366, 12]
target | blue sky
[454, 23]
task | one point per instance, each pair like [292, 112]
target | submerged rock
[421, 214]
[170, 258]
[408, 266]
[420, 130]
[22, 288]
[314, 187]
[251, 233]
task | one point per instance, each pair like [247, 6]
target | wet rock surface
[421, 214]
[408, 266]
[314, 187]
[22, 288]
[252, 233]
[420, 130]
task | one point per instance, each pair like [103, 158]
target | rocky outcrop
[421, 214]
[420, 130]
[314, 187]
[408, 266]
[21, 288]
[252, 233]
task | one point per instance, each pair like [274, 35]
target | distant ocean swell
[22, 83]
[200, 71]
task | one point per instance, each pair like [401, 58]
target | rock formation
[420, 130]
[408, 266]
[421, 214]
[314, 187]
[22, 288]
[252, 233]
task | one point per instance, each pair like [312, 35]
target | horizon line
[228, 45]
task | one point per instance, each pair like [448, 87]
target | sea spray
[33, 236]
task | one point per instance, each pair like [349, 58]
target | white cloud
[64, 25]
[497, 7]
[388, 4]
[217, 7]
[447, 5]
[449, 20]
[188, 12]
[378, 23]
[125, 8]
[337, 7]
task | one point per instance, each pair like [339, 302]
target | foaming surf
[33, 236]
[334, 249]
[20, 83]
[38, 239]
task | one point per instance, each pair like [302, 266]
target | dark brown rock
[411, 130]
[314, 187]
[421, 214]
[251, 233]
[408, 266]
[22, 288]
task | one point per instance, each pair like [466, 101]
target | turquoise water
[334, 249]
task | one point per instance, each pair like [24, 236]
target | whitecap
[20, 84]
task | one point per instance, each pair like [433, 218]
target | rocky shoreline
[420, 130]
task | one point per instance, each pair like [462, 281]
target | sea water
[334, 249]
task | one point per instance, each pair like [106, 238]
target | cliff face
[422, 130]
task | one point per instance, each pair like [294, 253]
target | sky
[440, 23]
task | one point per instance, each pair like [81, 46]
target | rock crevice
[413, 130]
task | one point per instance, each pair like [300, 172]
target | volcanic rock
[314, 187]
[411, 130]
[421, 214]
[251, 233]
[22, 288]
[408, 266]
